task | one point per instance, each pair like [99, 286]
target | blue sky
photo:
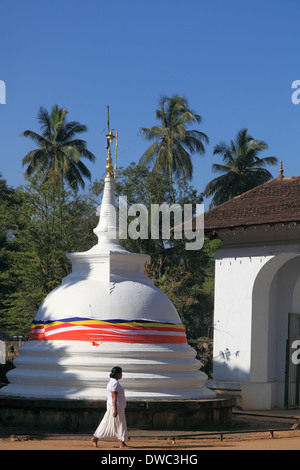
[233, 60]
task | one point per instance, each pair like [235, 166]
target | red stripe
[36, 336]
[92, 336]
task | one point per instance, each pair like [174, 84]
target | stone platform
[75, 416]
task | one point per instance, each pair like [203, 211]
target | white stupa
[107, 313]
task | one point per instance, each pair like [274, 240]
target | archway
[276, 292]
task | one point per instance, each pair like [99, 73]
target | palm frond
[173, 143]
[150, 154]
[45, 122]
[40, 140]
[153, 133]
[59, 149]
[242, 168]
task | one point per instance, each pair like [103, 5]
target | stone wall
[35, 415]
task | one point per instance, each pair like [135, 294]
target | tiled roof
[276, 201]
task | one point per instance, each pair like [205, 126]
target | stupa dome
[107, 313]
[90, 299]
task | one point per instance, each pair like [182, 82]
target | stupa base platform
[83, 416]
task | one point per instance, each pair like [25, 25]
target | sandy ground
[246, 432]
[287, 440]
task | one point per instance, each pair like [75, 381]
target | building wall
[236, 271]
[256, 287]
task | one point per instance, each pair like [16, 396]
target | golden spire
[110, 137]
[109, 167]
[281, 170]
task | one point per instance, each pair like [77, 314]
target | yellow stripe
[99, 322]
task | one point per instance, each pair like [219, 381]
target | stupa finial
[110, 138]
[111, 172]
[281, 170]
[107, 229]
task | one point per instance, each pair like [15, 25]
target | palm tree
[173, 143]
[59, 149]
[242, 168]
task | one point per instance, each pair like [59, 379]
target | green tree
[59, 148]
[50, 221]
[8, 203]
[174, 142]
[242, 168]
[188, 281]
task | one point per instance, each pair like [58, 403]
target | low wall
[76, 416]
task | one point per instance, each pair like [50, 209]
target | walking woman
[113, 423]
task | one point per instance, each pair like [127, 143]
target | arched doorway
[276, 293]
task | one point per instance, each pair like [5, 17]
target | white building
[257, 294]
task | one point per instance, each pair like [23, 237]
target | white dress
[111, 427]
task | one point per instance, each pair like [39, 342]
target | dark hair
[115, 371]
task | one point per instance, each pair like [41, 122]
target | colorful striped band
[124, 331]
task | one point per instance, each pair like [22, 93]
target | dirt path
[260, 441]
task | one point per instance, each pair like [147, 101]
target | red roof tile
[276, 201]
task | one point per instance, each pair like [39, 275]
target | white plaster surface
[256, 288]
[107, 282]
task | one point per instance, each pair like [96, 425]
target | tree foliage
[49, 221]
[174, 142]
[8, 203]
[242, 168]
[59, 150]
